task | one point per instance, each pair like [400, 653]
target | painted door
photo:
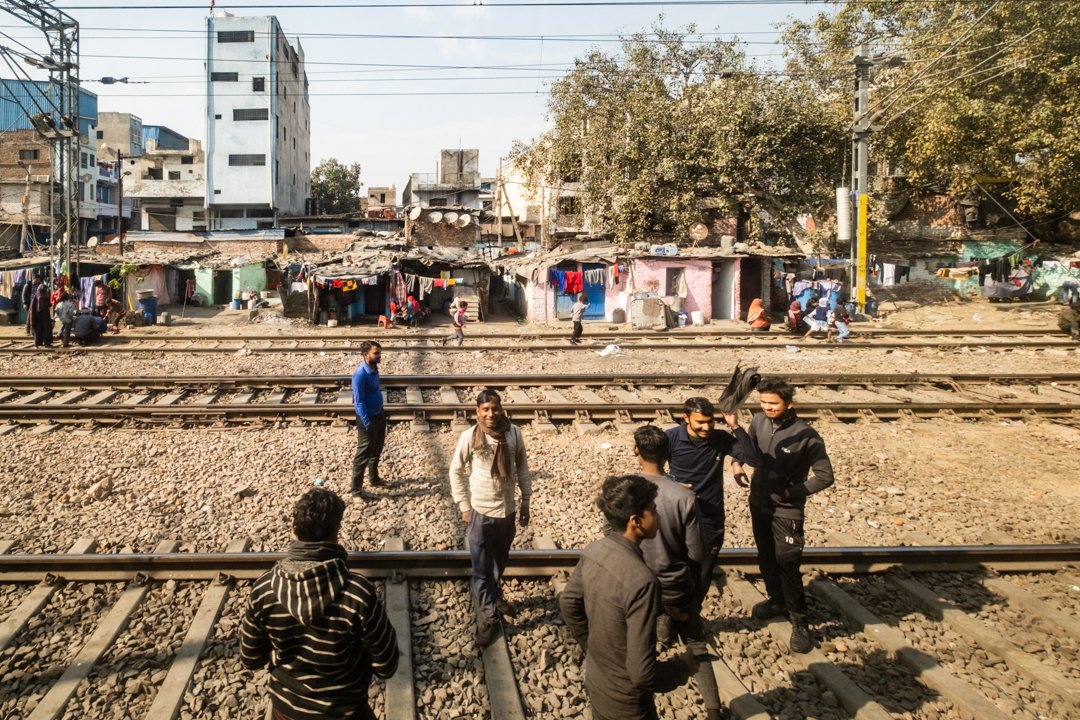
[594, 291]
[723, 291]
[749, 284]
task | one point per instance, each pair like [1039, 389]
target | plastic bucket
[235, 304]
[697, 317]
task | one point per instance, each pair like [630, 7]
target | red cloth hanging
[574, 283]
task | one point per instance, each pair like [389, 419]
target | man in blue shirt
[370, 419]
[697, 461]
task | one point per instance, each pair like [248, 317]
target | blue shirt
[366, 393]
[700, 464]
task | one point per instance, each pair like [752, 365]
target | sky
[471, 76]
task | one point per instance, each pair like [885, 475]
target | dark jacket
[676, 553]
[87, 327]
[788, 453]
[328, 631]
[702, 465]
[610, 606]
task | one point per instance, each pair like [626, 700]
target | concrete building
[378, 199]
[258, 123]
[99, 198]
[25, 175]
[119, 131]
[456, 182]
[170, 186]
[21, 98]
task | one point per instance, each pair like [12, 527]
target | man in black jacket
[697, 457]
[326, 626]
[789, 450]
[611, 604]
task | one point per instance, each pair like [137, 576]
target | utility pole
[860, 148]
[120, 200]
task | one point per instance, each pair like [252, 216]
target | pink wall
[698, 274]
[541, 299]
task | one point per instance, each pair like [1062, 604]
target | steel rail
[523, 563]
[387, 346]
[391, 381]
[377, 333]
[563, 412]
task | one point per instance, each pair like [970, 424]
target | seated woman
[757, 317]
[795, 318]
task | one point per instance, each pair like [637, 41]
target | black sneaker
[487, 629]
[376, 482]
[767, 610]
[800, 639]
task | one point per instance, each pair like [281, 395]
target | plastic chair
[385, 322]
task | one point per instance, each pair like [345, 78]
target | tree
[674, 120]
[987, 88]
[336, 187]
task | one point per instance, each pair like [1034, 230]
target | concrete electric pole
[860, 146]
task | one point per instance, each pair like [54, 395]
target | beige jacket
[471, 483]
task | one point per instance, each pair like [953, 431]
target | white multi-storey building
[258, 123]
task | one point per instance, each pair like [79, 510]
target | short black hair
[317, 515]
[488, 395]
[624, 496]
[366, 346]
[463, 304]
[777, 386]
[652, 444]
[699, 405]
[65, 295]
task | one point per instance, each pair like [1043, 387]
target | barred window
[235, 36]
[224, 77]
[250, 114]
[246, 160]
[258, 84]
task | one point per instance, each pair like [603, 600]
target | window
[100, 134]
[217, 117]
[569, 206]
[224, 77]
[235, 36]
[176, 202]
[217, 192]
[29, 154]
[258, 84]
[174, 174]
[250, 114]
[187, 160]
[284, 133]
[247, 160]
[437, 202]
[83, 161]
[673, 279]
[93, 160]
[382, 198]
[153, 174]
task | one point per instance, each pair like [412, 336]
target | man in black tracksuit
[789, 450]
[697, 461]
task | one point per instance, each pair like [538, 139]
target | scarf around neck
[500, 464]
[312, 551]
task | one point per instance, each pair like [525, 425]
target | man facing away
[488, 467]
[577, 312]
[65, 312]
[697, 451]
[87, 328]
[675, 556]
[370, 419]
[611, 603]
[322, 630]
[790, 449]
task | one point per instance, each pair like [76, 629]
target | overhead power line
[511, 4]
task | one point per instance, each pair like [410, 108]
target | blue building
[165, 138]
[21, 98]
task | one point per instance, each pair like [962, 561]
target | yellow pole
[860, 270]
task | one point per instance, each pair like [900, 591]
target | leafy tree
[673, 120]
[986, 88]
[336, 187]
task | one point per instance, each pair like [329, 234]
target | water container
[681, 317]
[235, 304]
[148, 306]
[697, 317]
[618, 315]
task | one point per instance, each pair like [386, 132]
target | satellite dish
[450, 217]
[434, 217]
[415, 213]
[92, 242]
[699, 231]
[464, 221]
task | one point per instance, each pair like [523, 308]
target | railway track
[146, 635]
[416, 342]
[584, 400]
